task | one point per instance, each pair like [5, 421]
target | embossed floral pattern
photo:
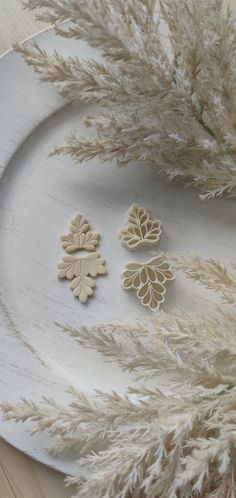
[80, 236]
[148, 281]
[141, 230]
[79, 271]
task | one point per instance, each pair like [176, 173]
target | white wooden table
[21, 477]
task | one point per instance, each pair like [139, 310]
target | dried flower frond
[168, 89]
[210, 273]
[87, 81]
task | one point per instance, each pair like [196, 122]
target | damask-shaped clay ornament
[148, 280]
[80, 236]
[141, 229]
[79, 271]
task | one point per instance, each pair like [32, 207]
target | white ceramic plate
[38, 197]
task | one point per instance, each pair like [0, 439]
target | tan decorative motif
[148, 281]
[79, 271]
[141, 230]
[80, 236]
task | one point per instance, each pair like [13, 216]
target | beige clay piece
[141, 229]
[79, 271]
[148, 280]
[80, 236]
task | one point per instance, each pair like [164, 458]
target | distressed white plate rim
[38, 196]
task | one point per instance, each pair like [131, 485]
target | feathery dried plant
[150, 443]
[167, 100]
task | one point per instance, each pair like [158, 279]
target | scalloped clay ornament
[80, 236]
[148, 280]
[141, 229]
[79, 271]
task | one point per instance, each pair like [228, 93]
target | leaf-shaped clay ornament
[80, 236]
[141, 229]
[148, 280]
[79, 271]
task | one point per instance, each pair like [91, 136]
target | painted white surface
[38, 197]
